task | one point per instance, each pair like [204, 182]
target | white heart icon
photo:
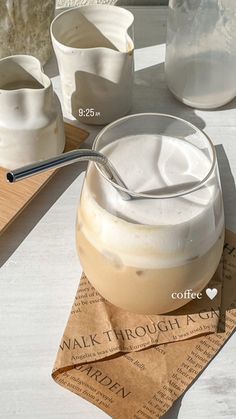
[211, 292]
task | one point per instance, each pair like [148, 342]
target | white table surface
[40, 271]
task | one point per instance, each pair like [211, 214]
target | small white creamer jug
[31, 122]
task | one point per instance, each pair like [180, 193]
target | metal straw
[66, 159]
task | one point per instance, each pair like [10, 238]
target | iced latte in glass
[169, 236]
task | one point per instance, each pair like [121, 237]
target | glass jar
[201, 52]
[168, 237]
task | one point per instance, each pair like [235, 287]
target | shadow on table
[227, 107]
[22, 226]
[144, 37]
[228, 187]
[151, 94]
[229, 199]
[51, 67]
[173, 412]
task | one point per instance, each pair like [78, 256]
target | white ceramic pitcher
[94, 49]
[31, 122]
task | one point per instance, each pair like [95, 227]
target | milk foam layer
[152, 233]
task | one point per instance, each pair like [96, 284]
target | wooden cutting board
[15, 197]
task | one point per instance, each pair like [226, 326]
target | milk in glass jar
[201, 52]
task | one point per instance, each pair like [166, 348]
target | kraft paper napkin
[135, 366]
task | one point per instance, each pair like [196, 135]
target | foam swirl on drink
[151, 233]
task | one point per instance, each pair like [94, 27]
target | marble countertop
[40, 271]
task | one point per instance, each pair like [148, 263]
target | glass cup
[169, 236]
